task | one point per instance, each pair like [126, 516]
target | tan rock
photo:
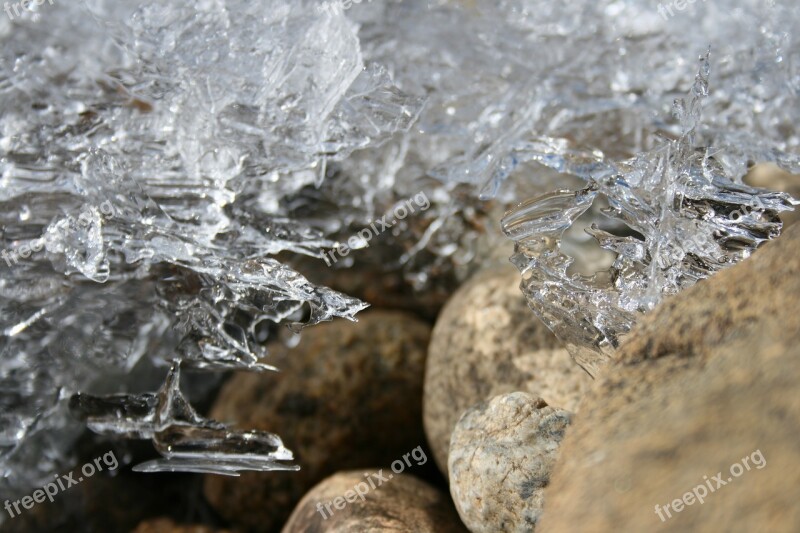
[348, 396]
[488, 342]
[709, 380]
[401, 503]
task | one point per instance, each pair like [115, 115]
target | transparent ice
[233, 138]
[674, 217]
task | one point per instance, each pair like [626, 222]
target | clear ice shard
[672, 217]
[187, 441]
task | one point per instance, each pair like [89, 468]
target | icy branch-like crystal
[188, 442]
[675, 218]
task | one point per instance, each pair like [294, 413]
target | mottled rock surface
[348, 396]
[709, 378]
[488, 342]
[501, 456]
[400, 504]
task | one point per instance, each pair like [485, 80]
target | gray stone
[501, 456]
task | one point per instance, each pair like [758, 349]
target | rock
[348, 396]
[771, 176]
[165, 525]
[705, 386]
[488, 342]
[400, 504]
[501, 456]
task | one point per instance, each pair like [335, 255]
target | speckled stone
[488, 342]
[402, 503]
[706, 380]
[348, 396]
[501, 456]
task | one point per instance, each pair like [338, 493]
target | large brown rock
[348, 396]
[402, 503]
[709, 380]
[487, 342]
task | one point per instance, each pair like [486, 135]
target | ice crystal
[676, 217]
[188, 442]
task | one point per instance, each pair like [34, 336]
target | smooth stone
[402, 503]
[166, 525]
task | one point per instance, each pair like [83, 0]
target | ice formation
[180, 267]
[676, 217]
[163, 166]
[188, 442]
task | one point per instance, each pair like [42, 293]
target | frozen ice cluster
[673, 216]
[164, 165]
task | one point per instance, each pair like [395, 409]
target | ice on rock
[673, 217]
[233, 138]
